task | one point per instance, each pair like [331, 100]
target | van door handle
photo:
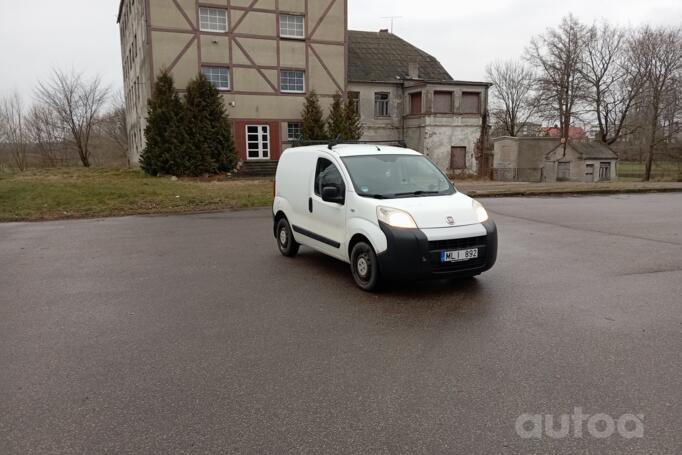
[310, 205]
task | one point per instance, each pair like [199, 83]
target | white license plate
[458, 255]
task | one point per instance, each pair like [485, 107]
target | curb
[568, 192]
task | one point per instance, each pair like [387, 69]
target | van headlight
[481, 214]
[396, 218]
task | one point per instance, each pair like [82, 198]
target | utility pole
[393, 19]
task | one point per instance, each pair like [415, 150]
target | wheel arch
[278, 216]
[355, 239]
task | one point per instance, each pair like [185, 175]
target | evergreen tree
[165, 136]
[352, 125]
[312, 127]
[336, 121]
[208, 128]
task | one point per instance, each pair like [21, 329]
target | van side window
[326, 174]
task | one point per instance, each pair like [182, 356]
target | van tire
[286, 243]
[365, 267]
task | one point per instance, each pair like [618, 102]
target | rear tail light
[274, 188]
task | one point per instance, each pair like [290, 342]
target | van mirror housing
[332, 194]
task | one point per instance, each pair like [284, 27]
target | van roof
[343, 150]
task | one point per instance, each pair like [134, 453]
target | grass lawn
[663, 170]
[47, 194]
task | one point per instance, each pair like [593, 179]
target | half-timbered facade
[263, 55]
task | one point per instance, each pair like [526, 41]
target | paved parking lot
[191, 334]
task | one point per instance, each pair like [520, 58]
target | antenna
[393, 19]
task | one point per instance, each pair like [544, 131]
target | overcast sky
[37, 35]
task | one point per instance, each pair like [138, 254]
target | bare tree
[658, 54]
[48, 135]
[614, 82]
[13, 130]
[513, 96]
[558, 55]
[113, 125]
[77, 102]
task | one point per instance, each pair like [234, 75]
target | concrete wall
[380, 128]
[252, 50]
[537, 159]
[522, 159]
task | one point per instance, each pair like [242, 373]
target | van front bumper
[410, 254]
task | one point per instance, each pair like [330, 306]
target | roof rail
[338, 141]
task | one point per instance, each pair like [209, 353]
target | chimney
[383, 30]
[413, 70]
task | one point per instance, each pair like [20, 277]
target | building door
[589, 172]
[458, 158]
[563, 170]
[257, 142]
[605, 171]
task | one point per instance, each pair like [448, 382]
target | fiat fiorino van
[387, 211]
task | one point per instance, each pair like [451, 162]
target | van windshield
[396, 176]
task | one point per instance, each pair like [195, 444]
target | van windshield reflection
[396, 176]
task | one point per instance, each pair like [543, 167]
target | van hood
[433, 211]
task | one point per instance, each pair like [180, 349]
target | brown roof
[594, 150]
[384, 57]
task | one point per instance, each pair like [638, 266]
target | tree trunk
[650, 152]
[83, 154]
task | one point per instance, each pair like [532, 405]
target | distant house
[574, 132]
[542, 159]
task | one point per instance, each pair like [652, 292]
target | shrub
[165, 135]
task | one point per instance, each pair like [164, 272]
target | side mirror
[332, 194]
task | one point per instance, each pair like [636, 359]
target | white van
[388, 211]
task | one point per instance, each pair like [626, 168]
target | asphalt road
[191, 334]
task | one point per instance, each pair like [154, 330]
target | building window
[471, 103]
[442, 102]
[589, 172]
[291, 26]
[458, 158]
[381, 105]
[292, 81]
[219, 76]
[294, 131]
[355, 97]
[415, 103]
[213, 20]
[605, 170]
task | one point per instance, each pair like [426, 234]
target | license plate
[458, 255]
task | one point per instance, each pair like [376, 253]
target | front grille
[436, 246]
[457, 244]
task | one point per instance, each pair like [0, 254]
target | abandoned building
[542, 159]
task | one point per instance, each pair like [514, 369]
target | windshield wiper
[417, 193]
[375, 196]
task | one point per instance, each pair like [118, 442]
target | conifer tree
[165, 136]
[336, 120]
[352, 124]
[312, 125]
[208, 128]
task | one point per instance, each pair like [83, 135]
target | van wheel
[364, 266]
[285, 239]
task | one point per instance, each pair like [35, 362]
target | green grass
[664, 167]
[48, 194]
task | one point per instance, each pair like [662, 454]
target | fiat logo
[451, 221]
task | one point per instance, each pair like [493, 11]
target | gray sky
[40, 34]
